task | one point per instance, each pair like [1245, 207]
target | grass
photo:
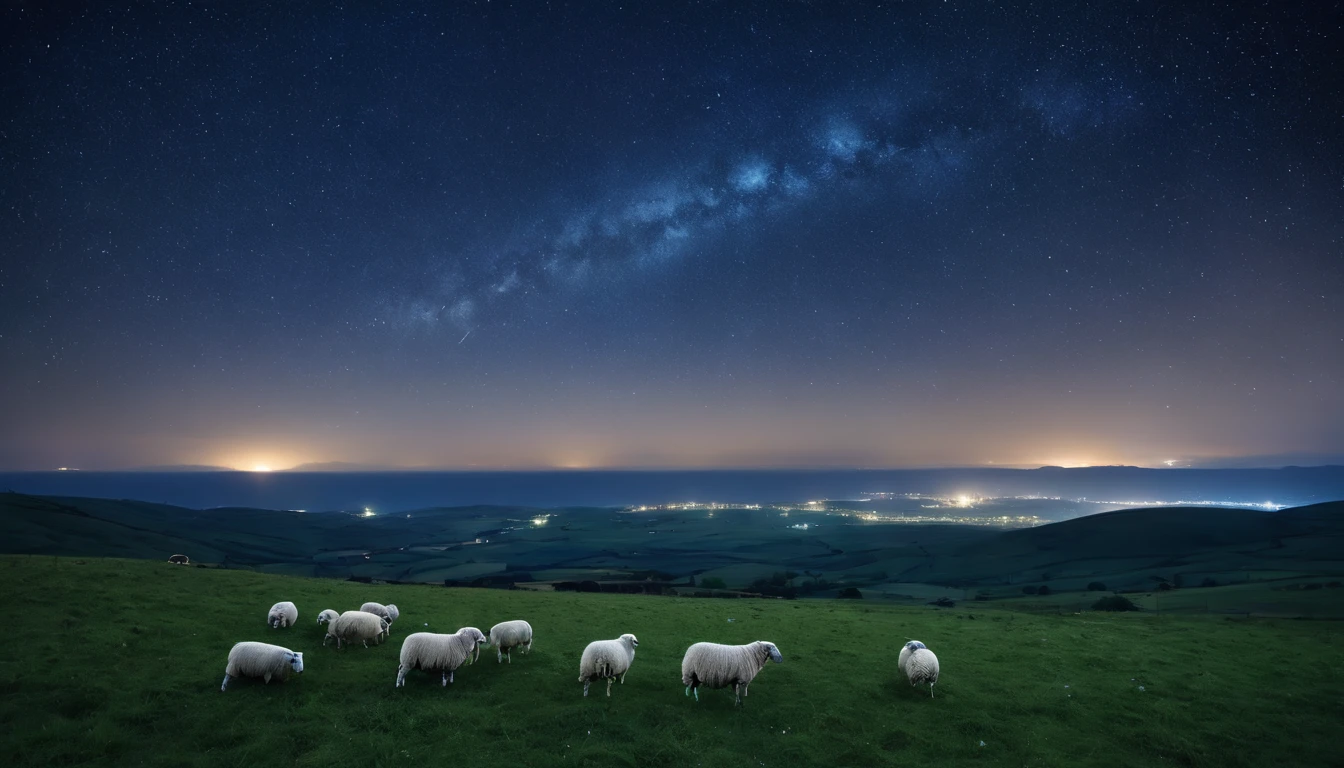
[119, 662]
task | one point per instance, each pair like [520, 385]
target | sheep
[719, 666]
[507, 635]
[355, 625]
[326, 616]
[919, 664]
[282, 615]
[445, 653]
[388, 612]
[906, 650]
[260, 660]
[607, 659]
[179, 560]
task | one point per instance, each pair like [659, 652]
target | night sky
[671, 235]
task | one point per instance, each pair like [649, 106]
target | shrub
[850, 593]
[1208, 582]
[1096, 586]
[713, 582]
[1114, 603]
[1029, 590]
[1044, 590]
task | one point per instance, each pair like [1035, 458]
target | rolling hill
[1134, 550]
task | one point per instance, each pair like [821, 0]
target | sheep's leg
[401, 676]
[499, 655]
[509, 655]
[585, 687]
[623, 677]
[738, 693]
[609, 687]
[226, 683]
[930, 690]
[696, 691]
[745, 686]
[450, 676]
[444, 683]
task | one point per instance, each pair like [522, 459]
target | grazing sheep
[507, 635]
[445, 653]
[326, 616]
[719, 666]
[607, 659]
[388, 612]
[180, 560]
[261, 660]
[282, 615]
[356, 625]
[919, 664]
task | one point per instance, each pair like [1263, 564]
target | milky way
[744, 234]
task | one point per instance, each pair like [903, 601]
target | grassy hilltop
[120, 661]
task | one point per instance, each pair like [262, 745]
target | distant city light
[368, 512]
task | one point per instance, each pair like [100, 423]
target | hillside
[123, 663]
[1131, 550]
[1136, 548]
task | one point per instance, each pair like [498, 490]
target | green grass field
[120, 661]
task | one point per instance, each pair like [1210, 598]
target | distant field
[1132, 551]
[122, 664]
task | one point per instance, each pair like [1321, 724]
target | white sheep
[261, 660]
[445, 653]
[607, 659]
[326, 616]
[719, 666]
[919, 664]
[282, 615]
[388, 611]
[355, 625]
[507, 635]
[906, 650]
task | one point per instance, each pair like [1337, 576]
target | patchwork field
[120, 663]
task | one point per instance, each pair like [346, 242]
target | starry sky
[720, 234]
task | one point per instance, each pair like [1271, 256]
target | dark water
[393, 491]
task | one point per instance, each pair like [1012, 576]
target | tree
[1029, 590]
[1044, 590]
[850, 593]
[1096, 586]
[713, 582]
[1114, 603]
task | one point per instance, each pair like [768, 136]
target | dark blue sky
[746, 234]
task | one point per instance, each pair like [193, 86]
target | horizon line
[358, 469]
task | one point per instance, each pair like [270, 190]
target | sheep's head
[771, 651]
[296, 661]
[629, 638]
[392, 613]
[913, 645]
[477, 637]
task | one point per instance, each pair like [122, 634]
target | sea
[408, 490]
